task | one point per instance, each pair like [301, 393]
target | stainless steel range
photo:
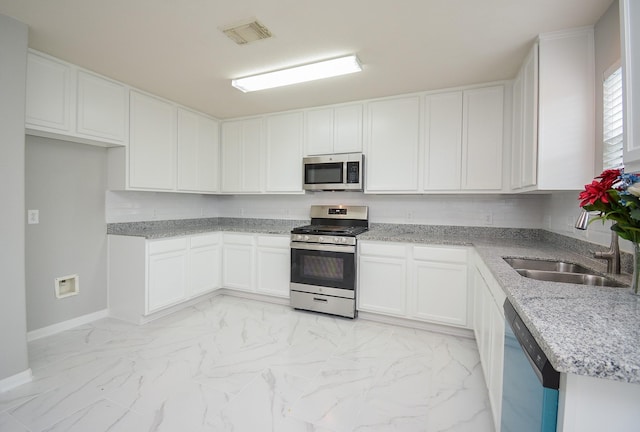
[323, 260]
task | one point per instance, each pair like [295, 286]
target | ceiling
[175, 49]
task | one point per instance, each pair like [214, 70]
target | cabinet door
[252, 155]
[231, 157]
[482, 138]
[242, 156]
[516, 132]
[274, 269]
[238, 264]
[382, 285]
[152, 145]
[440, 292]
[443, 141]
[319, 131]
[284, 152]
[529, 157]
[48, 103]
[393, 145]
[102, 108]
[347, 129]
[166, 279]
[204, 269]
[496, 349]
[197, 152]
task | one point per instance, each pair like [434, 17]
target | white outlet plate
[33, 217]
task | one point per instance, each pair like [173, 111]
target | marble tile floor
[230, 364]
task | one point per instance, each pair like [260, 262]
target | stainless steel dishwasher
[530, 383]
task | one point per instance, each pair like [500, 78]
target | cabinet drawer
[161, 246]
[274, 241]
[205, 240]
[383, 250]
[440, 254]
[239, 239]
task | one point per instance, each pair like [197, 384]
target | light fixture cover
[299, 74]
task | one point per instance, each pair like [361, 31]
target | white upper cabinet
[102, 108]
[524, 127]
[241, 156]
[284, 144]
[482, 138]
[553, 114]
[64, 101]
[334, 130]
[198, 152]
[443, 141]
[49, 93]
[152, 146]
[393, 145]
[630, 38]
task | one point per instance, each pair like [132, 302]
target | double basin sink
[560, 271]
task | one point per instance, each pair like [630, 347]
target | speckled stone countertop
[584, 330]
[182, 227]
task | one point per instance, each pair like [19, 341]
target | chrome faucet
[613, 254]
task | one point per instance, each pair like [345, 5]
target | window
[612, 124]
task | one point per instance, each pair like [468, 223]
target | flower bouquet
[616, 196]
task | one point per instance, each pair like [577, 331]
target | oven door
[323, 269]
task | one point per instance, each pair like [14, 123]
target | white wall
[13, 334]
[66, 182]
[513, 211]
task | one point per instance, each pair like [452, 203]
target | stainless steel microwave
[335, 172]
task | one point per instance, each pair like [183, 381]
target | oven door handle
[323, 247]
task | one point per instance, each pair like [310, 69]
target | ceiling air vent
[248, 32]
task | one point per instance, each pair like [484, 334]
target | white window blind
[612, 125]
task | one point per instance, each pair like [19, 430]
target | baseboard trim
[255, 296]
[403, 322]
[66, 325]
[15, 380]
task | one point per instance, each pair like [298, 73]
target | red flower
[594, 192]
[609, 177]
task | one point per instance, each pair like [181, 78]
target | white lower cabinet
[273, 268]
[204, 263]
[425, 283]
[147, 276]
[439, 285]
[382, 285]
[489, 329]
[167, 273]
[256, 263]
[238, 261]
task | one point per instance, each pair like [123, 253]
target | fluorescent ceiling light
[298, 74]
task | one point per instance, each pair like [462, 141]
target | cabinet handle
[320, 299]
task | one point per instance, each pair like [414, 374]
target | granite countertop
[177, 228]
[584, 330]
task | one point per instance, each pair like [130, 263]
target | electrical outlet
[33, 217]
[488, 219]
[409, 215]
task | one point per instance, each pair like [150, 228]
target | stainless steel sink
[574, 278]
[560, 271]
[553, 266]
